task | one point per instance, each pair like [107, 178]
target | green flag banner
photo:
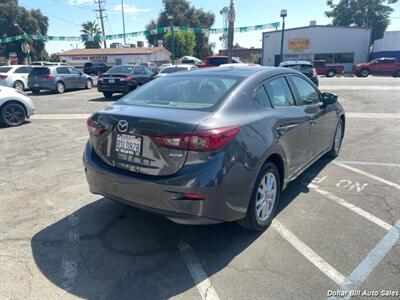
[160, 30]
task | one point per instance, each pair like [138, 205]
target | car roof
[295, 62]
[242, 71]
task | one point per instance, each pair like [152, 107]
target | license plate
[128, 144]
[36, 84]
[111, 81]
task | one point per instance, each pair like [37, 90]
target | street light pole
[283, 16]
[171, 20]
[231, 24]
[123, 20]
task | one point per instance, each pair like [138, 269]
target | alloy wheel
[60, 87]
[266, 196]
[338, 137]
[13, 114]
[19, 86]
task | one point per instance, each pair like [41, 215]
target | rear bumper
[42, 85]
[158, 194]
[115, 88]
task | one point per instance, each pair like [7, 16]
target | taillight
[94, 128]
[314, 73]
[48, 77]
[127, 78]
[201, 141]
[2, 77]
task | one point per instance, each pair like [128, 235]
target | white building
[334, 44]
[115, 56]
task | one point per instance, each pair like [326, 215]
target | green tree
[184, 43]
[373, 14]
[184, 15]
[91, 29]
[17, 20]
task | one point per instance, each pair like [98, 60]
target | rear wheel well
[14, 101]
[277, 160]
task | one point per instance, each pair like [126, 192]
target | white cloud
[79, 2]
[129, 9]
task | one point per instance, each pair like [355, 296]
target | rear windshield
[4, 69]
[121, 69]
[182, 92]
[173, 69]
[40, 71]
[301, 68]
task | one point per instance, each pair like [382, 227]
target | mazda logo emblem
[122, 126]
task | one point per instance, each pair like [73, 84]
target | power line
[102, 17]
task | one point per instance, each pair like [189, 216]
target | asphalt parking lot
[337, 229]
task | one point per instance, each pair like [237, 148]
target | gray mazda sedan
[212, 145]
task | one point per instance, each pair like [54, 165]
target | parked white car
[15, 76]
[15, 107]
[175, 68]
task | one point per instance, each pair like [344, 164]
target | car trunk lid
[126, 141]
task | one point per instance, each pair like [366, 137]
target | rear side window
[23, 70]
[261, 97]
[63, 70]
[216, 61]
[4, 69]
[140, 70]
[279, 92]
[40, 71]
[308, 95]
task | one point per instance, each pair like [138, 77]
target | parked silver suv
[58, 79]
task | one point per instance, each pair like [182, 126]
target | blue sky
[66, 16]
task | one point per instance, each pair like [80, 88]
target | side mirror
[329, 98]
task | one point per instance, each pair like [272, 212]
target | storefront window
[327, 57]
[344, 58]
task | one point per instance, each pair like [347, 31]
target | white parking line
[203, 284]
[367, 163]
[359, 87]
[60, 116]
[374, 257]
[358, 115]
[395, 185]
[308, 253]
[352, 207]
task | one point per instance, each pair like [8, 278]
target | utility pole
[171, 20]
[123, 20]
[102, 17]
[231, 19]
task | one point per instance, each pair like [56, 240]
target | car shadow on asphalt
[111, 251]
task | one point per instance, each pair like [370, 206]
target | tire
[35, 91]
[257, 219]
[89, 84]
[107, 94]
[397, 74]
[330, 73]
[19, 85]
[337, 140]
[12, 114]
[60, 87]
[364, 73]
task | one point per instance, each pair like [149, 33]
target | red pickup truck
[379, 66]
[329, 71]
[216, 60]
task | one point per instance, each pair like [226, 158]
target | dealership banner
[161, 30]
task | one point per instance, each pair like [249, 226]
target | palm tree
[91, 29]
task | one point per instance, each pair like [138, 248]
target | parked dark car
[304, 67]
[379, 66]
[212, 145]
[58, 79]
[95, 68]
[123, 79]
